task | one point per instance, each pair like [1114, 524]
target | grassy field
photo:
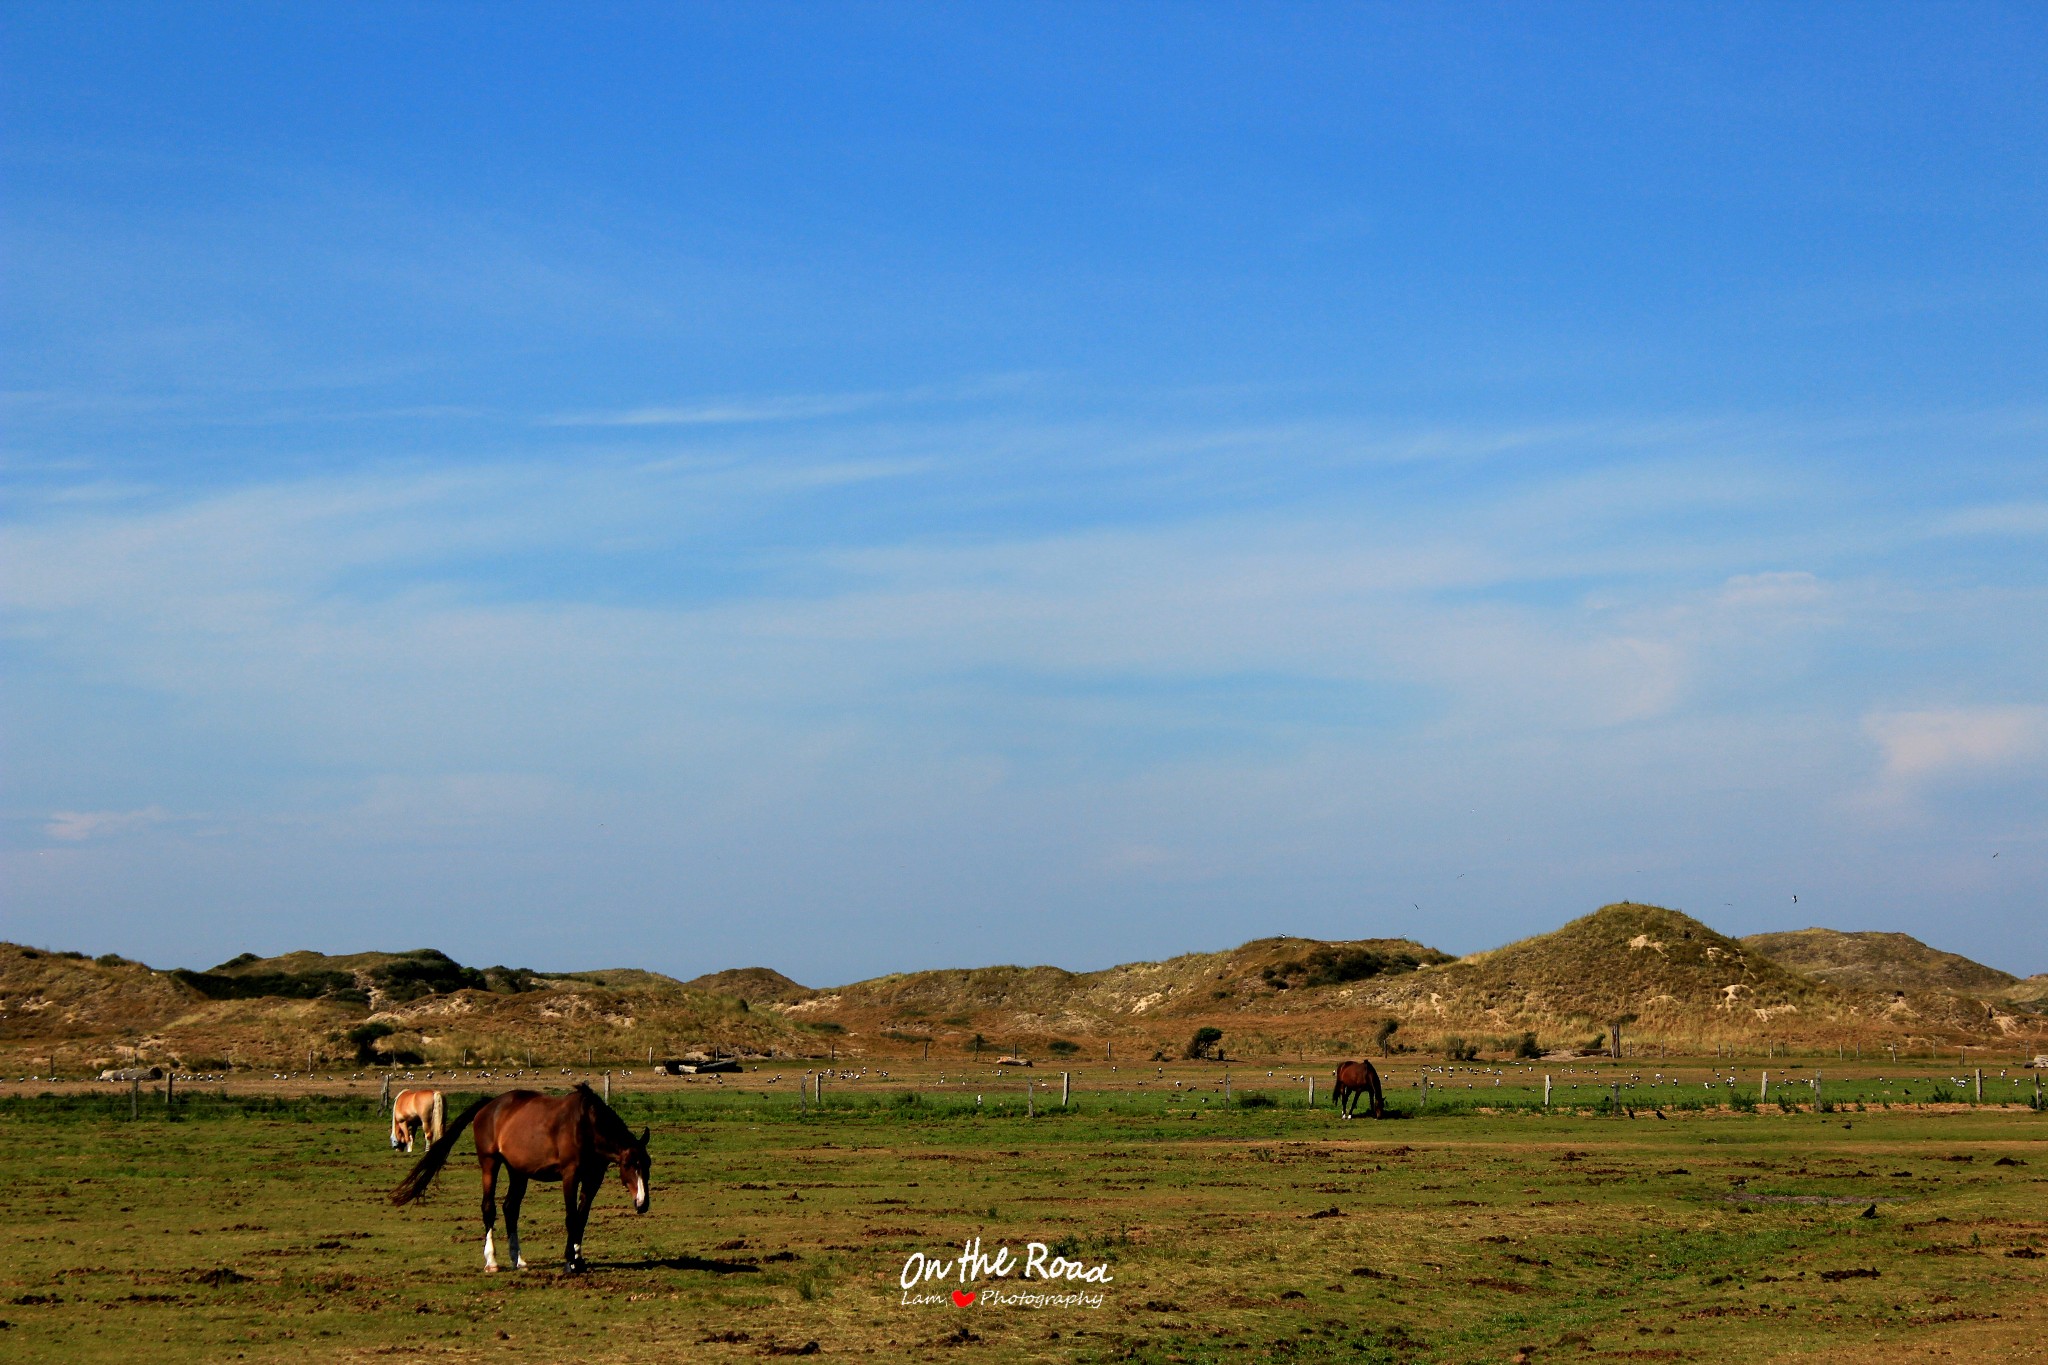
[1891, 1219]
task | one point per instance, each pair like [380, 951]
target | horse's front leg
[513, 1198]
[576, 1196]
[490, 1174]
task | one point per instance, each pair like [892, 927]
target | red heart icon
[963, 1298]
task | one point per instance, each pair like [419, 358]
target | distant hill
[756, 985]
[1265, 969]
[1680, 979]
[47, 996]
[362, 978]
[1675, 980]
[1879, 962]
[268, 1012]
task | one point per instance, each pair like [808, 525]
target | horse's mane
[609, 1125]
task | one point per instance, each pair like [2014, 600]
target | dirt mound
[2033, 989]
[757, 985]
[275, 1012]
[1277, 973]
[1674, 974]
[60, 995]
[1879, 962]
[1667, 976]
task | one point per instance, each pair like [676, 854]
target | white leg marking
[512, 1245]
[490, 1257]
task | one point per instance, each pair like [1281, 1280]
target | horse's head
[636, 1169]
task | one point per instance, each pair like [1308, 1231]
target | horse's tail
[428, 1166]
[440, 1114]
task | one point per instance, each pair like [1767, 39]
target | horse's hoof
[490, 1270]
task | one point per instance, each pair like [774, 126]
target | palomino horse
[1355, 1079]
[531, 1136]
[414, 1112]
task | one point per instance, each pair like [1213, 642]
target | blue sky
[867, 488]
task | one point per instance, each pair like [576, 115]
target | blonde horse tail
[440, 1114]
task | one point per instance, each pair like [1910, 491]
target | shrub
[1254, 1099]
[1060, 1047]
[1456, 1049]
[281, 985]
[1204, 1042]
[1334, 965]
[1383, 1035]
[364, 1037]
[1527, 1046]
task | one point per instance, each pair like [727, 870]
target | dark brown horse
[1355, 1079]
[570, 1138]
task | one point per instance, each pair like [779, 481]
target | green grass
[1234, 1232]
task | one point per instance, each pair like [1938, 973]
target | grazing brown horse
[1355, 1079]
[570, 1138]
[416, 1112]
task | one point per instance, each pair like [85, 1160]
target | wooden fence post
[1066, 1088]
[607, 1087]
[1546, 1092]
[1029, 1112]
[1311, 1092]
[1980, 1085]
[384, 1095]
[134, 1097]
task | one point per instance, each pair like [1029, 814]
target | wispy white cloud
[729, 413]
[76, 826]
[1919, 746]
[1997, 519]
[797, 407]
[1198, 699]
